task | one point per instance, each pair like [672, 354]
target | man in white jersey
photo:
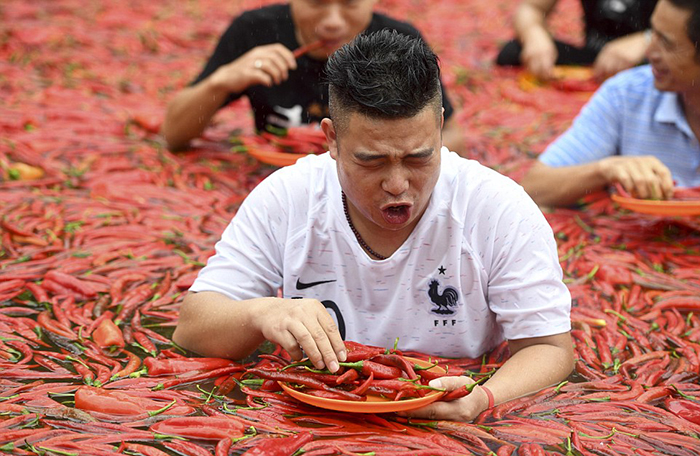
[642, 127]
[388, 235]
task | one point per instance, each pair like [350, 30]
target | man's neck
[691, 108]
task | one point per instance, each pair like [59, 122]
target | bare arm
[550, 186]
[535, 363]
[644, 177]
[212, 324]
[190, 112]
[539, 53]
[620, 54]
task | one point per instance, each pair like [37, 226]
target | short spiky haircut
[692, 28]
[384, 75]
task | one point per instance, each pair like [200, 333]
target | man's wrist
[215, 86]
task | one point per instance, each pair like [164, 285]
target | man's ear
[331, 137]
[442, 119]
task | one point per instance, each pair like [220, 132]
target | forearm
[532, 368]
[190, 112]
[530, 18]
[213, 325]
[562, 186]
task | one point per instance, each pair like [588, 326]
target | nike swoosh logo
[303, 286]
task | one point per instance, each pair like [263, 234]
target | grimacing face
[336, 22]
[387, 168]
[671, 54]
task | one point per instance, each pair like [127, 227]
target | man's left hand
[464, 409]
[620, 54]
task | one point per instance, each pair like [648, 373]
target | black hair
[384, 75]
[693, 25]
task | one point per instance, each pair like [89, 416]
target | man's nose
[333, 18]
[396, 182]
[653, 48]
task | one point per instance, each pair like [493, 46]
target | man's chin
[662, 86]
[660, 80]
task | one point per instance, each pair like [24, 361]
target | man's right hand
[263, 65]
[644, 177]
[539, 53]
[303, 326]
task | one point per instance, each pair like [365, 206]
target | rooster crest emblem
[448, 298]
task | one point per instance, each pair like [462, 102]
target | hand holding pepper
[266, 65]
[303, 326]
[465, 408]
[236, 328]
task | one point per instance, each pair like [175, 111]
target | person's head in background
[674, 51]
[335, 22]
[385, 127]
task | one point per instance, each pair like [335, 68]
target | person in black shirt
[255, 58]
[616, 37]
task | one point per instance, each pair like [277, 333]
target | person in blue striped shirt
[640, 129]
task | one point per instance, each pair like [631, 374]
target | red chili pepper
[131, 366]
[202, 427]
[358, 352]
[87, 375]
[117, 287]
[399, 362]
[186, 448]
[143, 449]
[144, 341]
[72, 283]
[46, 322]
[684, 408]
[298, 52]
[458, 393]
[201, 376]
[347, 377]
[121, 403]
[107, 334]
[362, 389]
[132, 299]
[38, 292]
[170, 366]
[370, 367]
[223, 447]
[301, 379]
[280, 446]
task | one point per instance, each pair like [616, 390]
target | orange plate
[275, 158]
[655, 207]
[374, 404]
[573, 73]
[568, 78]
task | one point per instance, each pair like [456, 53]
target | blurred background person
[256, 58]
[616, 38]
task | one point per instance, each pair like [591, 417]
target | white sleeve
[526, 291]
[248, 259]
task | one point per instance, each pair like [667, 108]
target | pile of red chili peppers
[103, 230]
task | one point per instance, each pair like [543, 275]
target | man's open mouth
[397, 214]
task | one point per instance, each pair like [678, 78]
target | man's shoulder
[469, 171]
[638, 79]
[306, 172]
[476, 187]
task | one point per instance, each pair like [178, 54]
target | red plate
[658, 207]
[374, 404]
[274, 158]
